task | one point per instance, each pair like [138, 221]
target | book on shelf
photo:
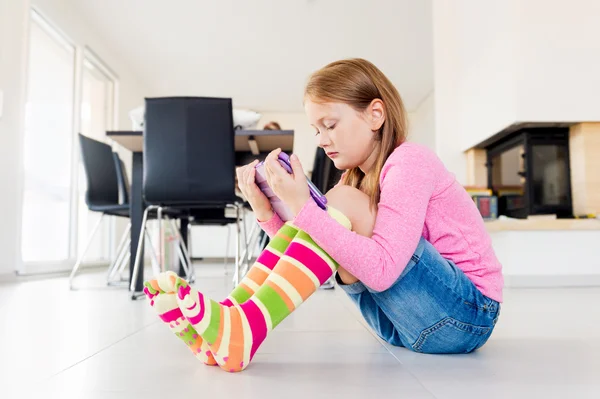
[487, 205]
[485, 201]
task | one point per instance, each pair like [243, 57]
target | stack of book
[486, 202]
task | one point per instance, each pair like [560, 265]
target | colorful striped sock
[263, 266]
[235, 333]
[161, 293]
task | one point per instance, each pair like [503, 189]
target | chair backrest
[122, 179]
[324, 173]
[189, 154]
[100, 172]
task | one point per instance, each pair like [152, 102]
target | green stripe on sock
[304, 236]
[275, 305]
[281, 244]
[215, 320]
[240, 294]
[288, 230]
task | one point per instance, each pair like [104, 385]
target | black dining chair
[123, 254]
[102, 193]
[107, 193]
[189, 167]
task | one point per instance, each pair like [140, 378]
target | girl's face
[347, 136]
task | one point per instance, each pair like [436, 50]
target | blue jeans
[432, 308]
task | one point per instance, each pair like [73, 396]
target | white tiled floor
[96, 343]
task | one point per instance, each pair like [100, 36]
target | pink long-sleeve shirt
[419, 198]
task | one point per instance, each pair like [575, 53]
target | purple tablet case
[278, 206]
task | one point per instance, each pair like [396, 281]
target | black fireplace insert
[529, 172]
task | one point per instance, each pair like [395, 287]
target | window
[48, 145]
[70, 90]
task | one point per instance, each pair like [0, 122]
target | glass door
[48, 142]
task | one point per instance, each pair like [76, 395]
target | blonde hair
[357, 82]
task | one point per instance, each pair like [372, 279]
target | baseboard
[552, 281]
[39, 268]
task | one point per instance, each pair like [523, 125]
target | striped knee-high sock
[163, 299]
[263, 266]
[235, 333]
[161, 293]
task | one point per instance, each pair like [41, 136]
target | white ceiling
[260, 52]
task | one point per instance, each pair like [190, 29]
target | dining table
[249, 145]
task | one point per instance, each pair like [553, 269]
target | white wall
[13, 33]
[498, 63]
[446, 74]
[558, 46]
[421, 123]
[487, 65]
[473, 75]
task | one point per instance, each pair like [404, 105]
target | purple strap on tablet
[278, 206]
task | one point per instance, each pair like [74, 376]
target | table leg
[183, 230]
[137, 213]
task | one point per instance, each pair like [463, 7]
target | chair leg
[184, 255]
[120, 248]
[252, 243]
[155, 262]
[189, 246]
[227, 249]
[236, 274]
[120, 265]
[161, 242]
[183, 261]
[124, 264]
[118, 268]
[245, 257]
[138, 255]
[87, 247]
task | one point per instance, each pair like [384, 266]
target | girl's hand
[258, 201]
[292, 189]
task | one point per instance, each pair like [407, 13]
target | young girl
[402, 237]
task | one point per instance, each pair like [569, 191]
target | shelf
[542, 225]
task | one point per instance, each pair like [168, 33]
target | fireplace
[528, 169]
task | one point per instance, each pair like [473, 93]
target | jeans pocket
[451, 336]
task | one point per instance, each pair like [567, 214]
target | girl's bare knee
[356, 206]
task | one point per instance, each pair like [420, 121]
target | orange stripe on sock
[195, 347]
[215, 347]
[236, 342]
[283, 236]
[282, 294]
[154, 284]
[257, 275]
[296, 277]
[245, 287]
